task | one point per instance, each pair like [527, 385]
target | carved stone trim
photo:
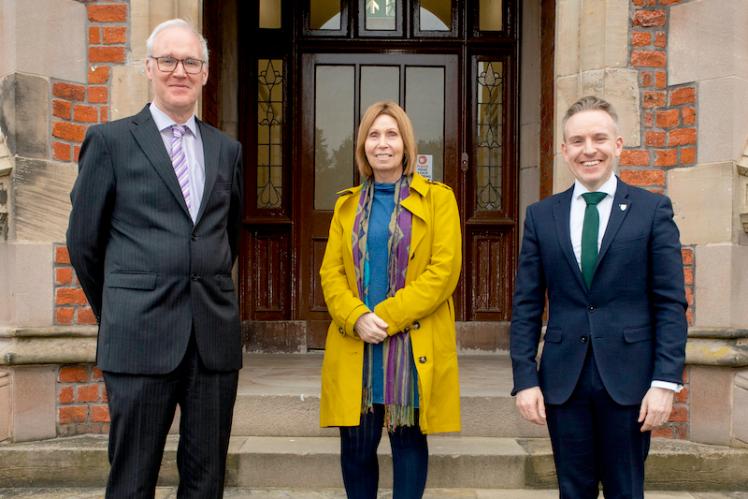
[49, 345]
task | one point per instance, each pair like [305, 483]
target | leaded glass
[489, 136]
[269, 133]
[270, 14]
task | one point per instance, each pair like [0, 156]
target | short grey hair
[590, 103]
[176, 23]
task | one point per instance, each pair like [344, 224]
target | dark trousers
[358, 458]
[142, 408]
[595, 440]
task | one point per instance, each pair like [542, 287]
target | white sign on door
[425, 165]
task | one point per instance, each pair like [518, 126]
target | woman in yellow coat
[390, 267]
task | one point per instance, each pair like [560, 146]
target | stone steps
[313, 463]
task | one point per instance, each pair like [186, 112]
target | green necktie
[590, 230]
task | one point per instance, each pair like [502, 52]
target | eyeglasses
[168, 64]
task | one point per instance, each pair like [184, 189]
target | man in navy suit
[607, 255]
[153, 234]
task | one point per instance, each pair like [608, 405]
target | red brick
[85, 113]
[689, 296]
[94, 35]
[106, 54]
[644, 177]
[666, 157]
[61, 255]
[63, 276]
[64, 315]
[88, 393]
[689, 316]
[649, 18]
[644, 3]
[660, 79]
[76, 153]
[98, 94]
[634, 157]
[640, 38]
[682, 396]
[653, 98]
[103, 114]
[115, 35]
[648, 58]
[69, 296]
[679, 414]
[654, 139]
[648, 119]
[687, 255]
[646, 79]
[98, 74]
[66, 395]
[69, 91]
[104, 395]
[73, 374]
[111, 13]
[670, 2]
[72, 414]
[99, 414]
[681, 431]
[688, 115]
[86, 316]
[683, 95]
[68, 131]
[97, 375]
[681, 136]
[60, 151]
[688, 276]
[685, 371]
[61, 108]
[665, 431]
[660, 40]
[687, 155]
[667, 118]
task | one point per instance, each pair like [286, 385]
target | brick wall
[669, 139]
[81, 396]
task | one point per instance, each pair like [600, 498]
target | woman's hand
[371, 328]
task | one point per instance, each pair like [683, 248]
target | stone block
[529, 191]
[41, 190]
[703, 202]
[740, 408]
[530, 71]
[707, 39]
[723, 126]
[7, 37]
[603, 34]
[5, 404]
[567, 37]
[129, 92]
[51, 39]
[710, 401]
[24, 114]
[29, 285]
[720, 279]
[34, 403]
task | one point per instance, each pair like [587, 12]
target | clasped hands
[371, 328]
[654, 411]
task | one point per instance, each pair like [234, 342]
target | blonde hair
[392, 109]
[590, 103]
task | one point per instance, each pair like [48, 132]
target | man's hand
[371, 328]
[531, 405]
[656, 407]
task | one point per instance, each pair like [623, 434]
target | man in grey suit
[153, 235]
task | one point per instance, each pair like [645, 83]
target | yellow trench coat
[424, 307]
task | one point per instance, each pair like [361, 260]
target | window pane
[380, 15]
[490, 15]
[379, 83]
[325, 14]
[270, 14]
[269, 133]
[424, 101]
[489, 135]
[333, 133]
[436, 15]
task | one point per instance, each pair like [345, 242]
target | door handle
[465, 162]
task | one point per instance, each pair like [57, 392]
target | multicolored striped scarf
[399, 382]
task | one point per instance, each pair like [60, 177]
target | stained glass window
[489, 88]
[269, 133]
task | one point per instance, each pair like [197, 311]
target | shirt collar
[163, 121]
[609, 188]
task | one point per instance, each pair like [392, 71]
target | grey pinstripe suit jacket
[150, 274]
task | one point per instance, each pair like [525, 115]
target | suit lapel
[617, 216]
[561, 213]
[149, 139]
[211, 150]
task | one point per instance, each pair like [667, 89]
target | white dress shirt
[192, 144]
[576, 221]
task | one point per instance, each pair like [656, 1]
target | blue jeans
[358, 458]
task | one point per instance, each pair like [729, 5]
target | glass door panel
[381, 15]
[424, 102]
[324, 15]
[379, 83]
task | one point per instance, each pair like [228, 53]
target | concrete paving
[245, 493]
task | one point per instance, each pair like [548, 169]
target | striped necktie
[179, 160]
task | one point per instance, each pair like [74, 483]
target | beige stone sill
[724, 347]
[47, 345]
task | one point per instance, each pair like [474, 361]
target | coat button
[195, 277]
[406, 329]
[416, 325]
[591, 308]
[583, 339]
[341, 331]
[422, 359]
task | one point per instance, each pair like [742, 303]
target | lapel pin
[623, 207]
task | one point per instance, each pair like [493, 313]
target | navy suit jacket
[151, 275]
[633, 315]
